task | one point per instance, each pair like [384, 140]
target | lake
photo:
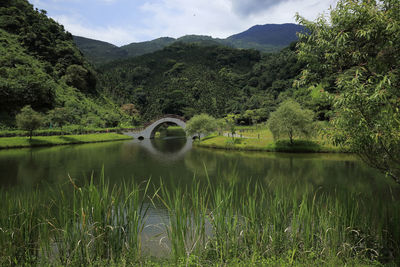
[175, 163]
[173, 160]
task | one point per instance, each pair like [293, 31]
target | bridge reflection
[154, 147]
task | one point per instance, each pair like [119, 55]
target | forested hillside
[188, 79]
[41, 66]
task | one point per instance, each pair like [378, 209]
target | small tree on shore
[231, 124]
[28, 120]
[291, 120]
[221, 126]
[200, 124]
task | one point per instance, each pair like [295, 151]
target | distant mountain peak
[265, 38]
[272, 34]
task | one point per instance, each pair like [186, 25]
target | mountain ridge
[264, 38]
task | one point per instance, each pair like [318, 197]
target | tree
[200, 124]
[231, 124]
[291, 120]
[357, 52]
[28, 120]
[221, 126]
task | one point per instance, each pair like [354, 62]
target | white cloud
[114, 35]
[221, 18]
[151, 19]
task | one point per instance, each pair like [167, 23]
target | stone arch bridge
[149, 129]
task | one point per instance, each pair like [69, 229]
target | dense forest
[187, 79]
[41, 66]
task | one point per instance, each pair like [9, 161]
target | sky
[122, 22]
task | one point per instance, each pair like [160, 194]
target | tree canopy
[290, 120]
[200, 124]
[355, 54]
[29, 120]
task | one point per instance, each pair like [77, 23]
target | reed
[207, 224]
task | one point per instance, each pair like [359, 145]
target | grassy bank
[66, 130]
[19, 142]
[261, 139]
[221, 225]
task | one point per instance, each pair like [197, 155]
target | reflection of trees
[173, 145]
[331, 175]
[199, 161]
[129, 152]
[126, 160]
[51, 165]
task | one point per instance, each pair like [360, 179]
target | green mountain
[41, 66]
[99, 51]
[278, 35]
[141, 48]
[187, 79]
[264, 38]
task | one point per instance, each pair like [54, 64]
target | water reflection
[174, 162]
[166, 149]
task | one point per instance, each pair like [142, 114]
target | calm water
[174, 161]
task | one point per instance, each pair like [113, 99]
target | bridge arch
[149, 130]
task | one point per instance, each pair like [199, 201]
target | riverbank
[36, 141]
[267, 144]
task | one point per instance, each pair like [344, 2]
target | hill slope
[279, 35]
[99, 51]
[41, 66]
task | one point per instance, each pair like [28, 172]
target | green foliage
[231, 124]
[58, 117]
[177, 80]
[200, 124]
[188, 79]
[40, 66]
[42, 38]
[221, 125]
[23, 78]
[355, 52]
[28, 120]
[79, 77]
[291, 120]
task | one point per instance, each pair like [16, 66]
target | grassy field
[228, 224]
[261, 139]
[18, 142]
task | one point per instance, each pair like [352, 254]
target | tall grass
[73, 224]
[207, 224]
